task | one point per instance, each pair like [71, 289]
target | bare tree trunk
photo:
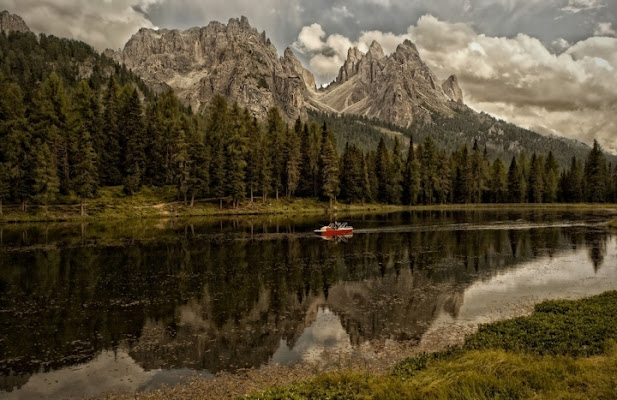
[192, 199]
[251, 193]
[277, 194]
[221, 203]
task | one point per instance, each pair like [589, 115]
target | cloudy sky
[549, 65]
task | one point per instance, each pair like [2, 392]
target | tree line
[73, 141]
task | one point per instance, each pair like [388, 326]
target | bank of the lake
[564, 349]
[163, 202]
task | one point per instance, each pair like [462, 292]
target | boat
[335, 229]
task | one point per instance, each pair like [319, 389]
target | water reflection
[221, 295]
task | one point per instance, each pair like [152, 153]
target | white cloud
[604, 29]
[342, 12]
[101, 24]
[310, 38]
[572, 92]
[576, 6]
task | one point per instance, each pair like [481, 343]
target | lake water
[91, 308]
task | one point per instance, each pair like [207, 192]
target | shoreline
[161, 209]
[306, 379]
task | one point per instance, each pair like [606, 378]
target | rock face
[234, 60]
[399, 88]
[12, 23]
[452, 90]
[241, 64]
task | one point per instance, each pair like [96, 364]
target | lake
[87, 309]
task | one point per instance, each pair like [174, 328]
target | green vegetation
[565, 349]
[65, 139]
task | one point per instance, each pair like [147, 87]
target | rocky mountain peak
[12, 23]
[232, 59]
[452, 90]
[398, 88]
[375, 51]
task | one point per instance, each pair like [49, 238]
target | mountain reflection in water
[149, 304]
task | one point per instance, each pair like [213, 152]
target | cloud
[576, 6]
[604, 29]
[101, 24]
[572, 92]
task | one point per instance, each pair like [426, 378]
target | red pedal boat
[335, 229]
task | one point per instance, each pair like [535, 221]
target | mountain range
[398, 90]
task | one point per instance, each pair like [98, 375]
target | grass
[613, 223]
[564, 350]
[155, 202]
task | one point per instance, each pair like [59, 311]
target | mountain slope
[399, 88]
[234, 60]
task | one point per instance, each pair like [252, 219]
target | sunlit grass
[565, 349]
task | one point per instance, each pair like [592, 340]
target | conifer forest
[61, 135]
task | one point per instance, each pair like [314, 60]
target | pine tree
[353, 174]
[111, 156]
[14, 143]
[44, 175]
[536, 180]
[516, 188]
[51, 120]
[253, 155]
[395, 187]
[133, 133]
[217, 129]
[329, 167]
[235, 152]
[181, 160]
[276, 130]
[199, 176]
[498, 182]
[429, 173]
[293, 161]
[132, 180]
[383, 170]
[85, 171]
[595, 175]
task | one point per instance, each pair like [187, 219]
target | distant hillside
[27, 60]
[502, 140]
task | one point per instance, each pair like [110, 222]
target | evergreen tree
[132, 180]
[429, 173]
[329, 167]
[181, 164]
[395, 187]
[517, 190]
[536, 180]
[133, 132]
[85, 171]
[498, 182]
[276, 130]
[51, 120]
[595, 175]
[383, 171]
[253, 155]
[199, 175]
[44, 175]
[111, 155]
[293, 160]
[353, 177]
[14, 144]
[235, 152]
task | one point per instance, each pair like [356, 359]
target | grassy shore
[113, 203]
[565, 349]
